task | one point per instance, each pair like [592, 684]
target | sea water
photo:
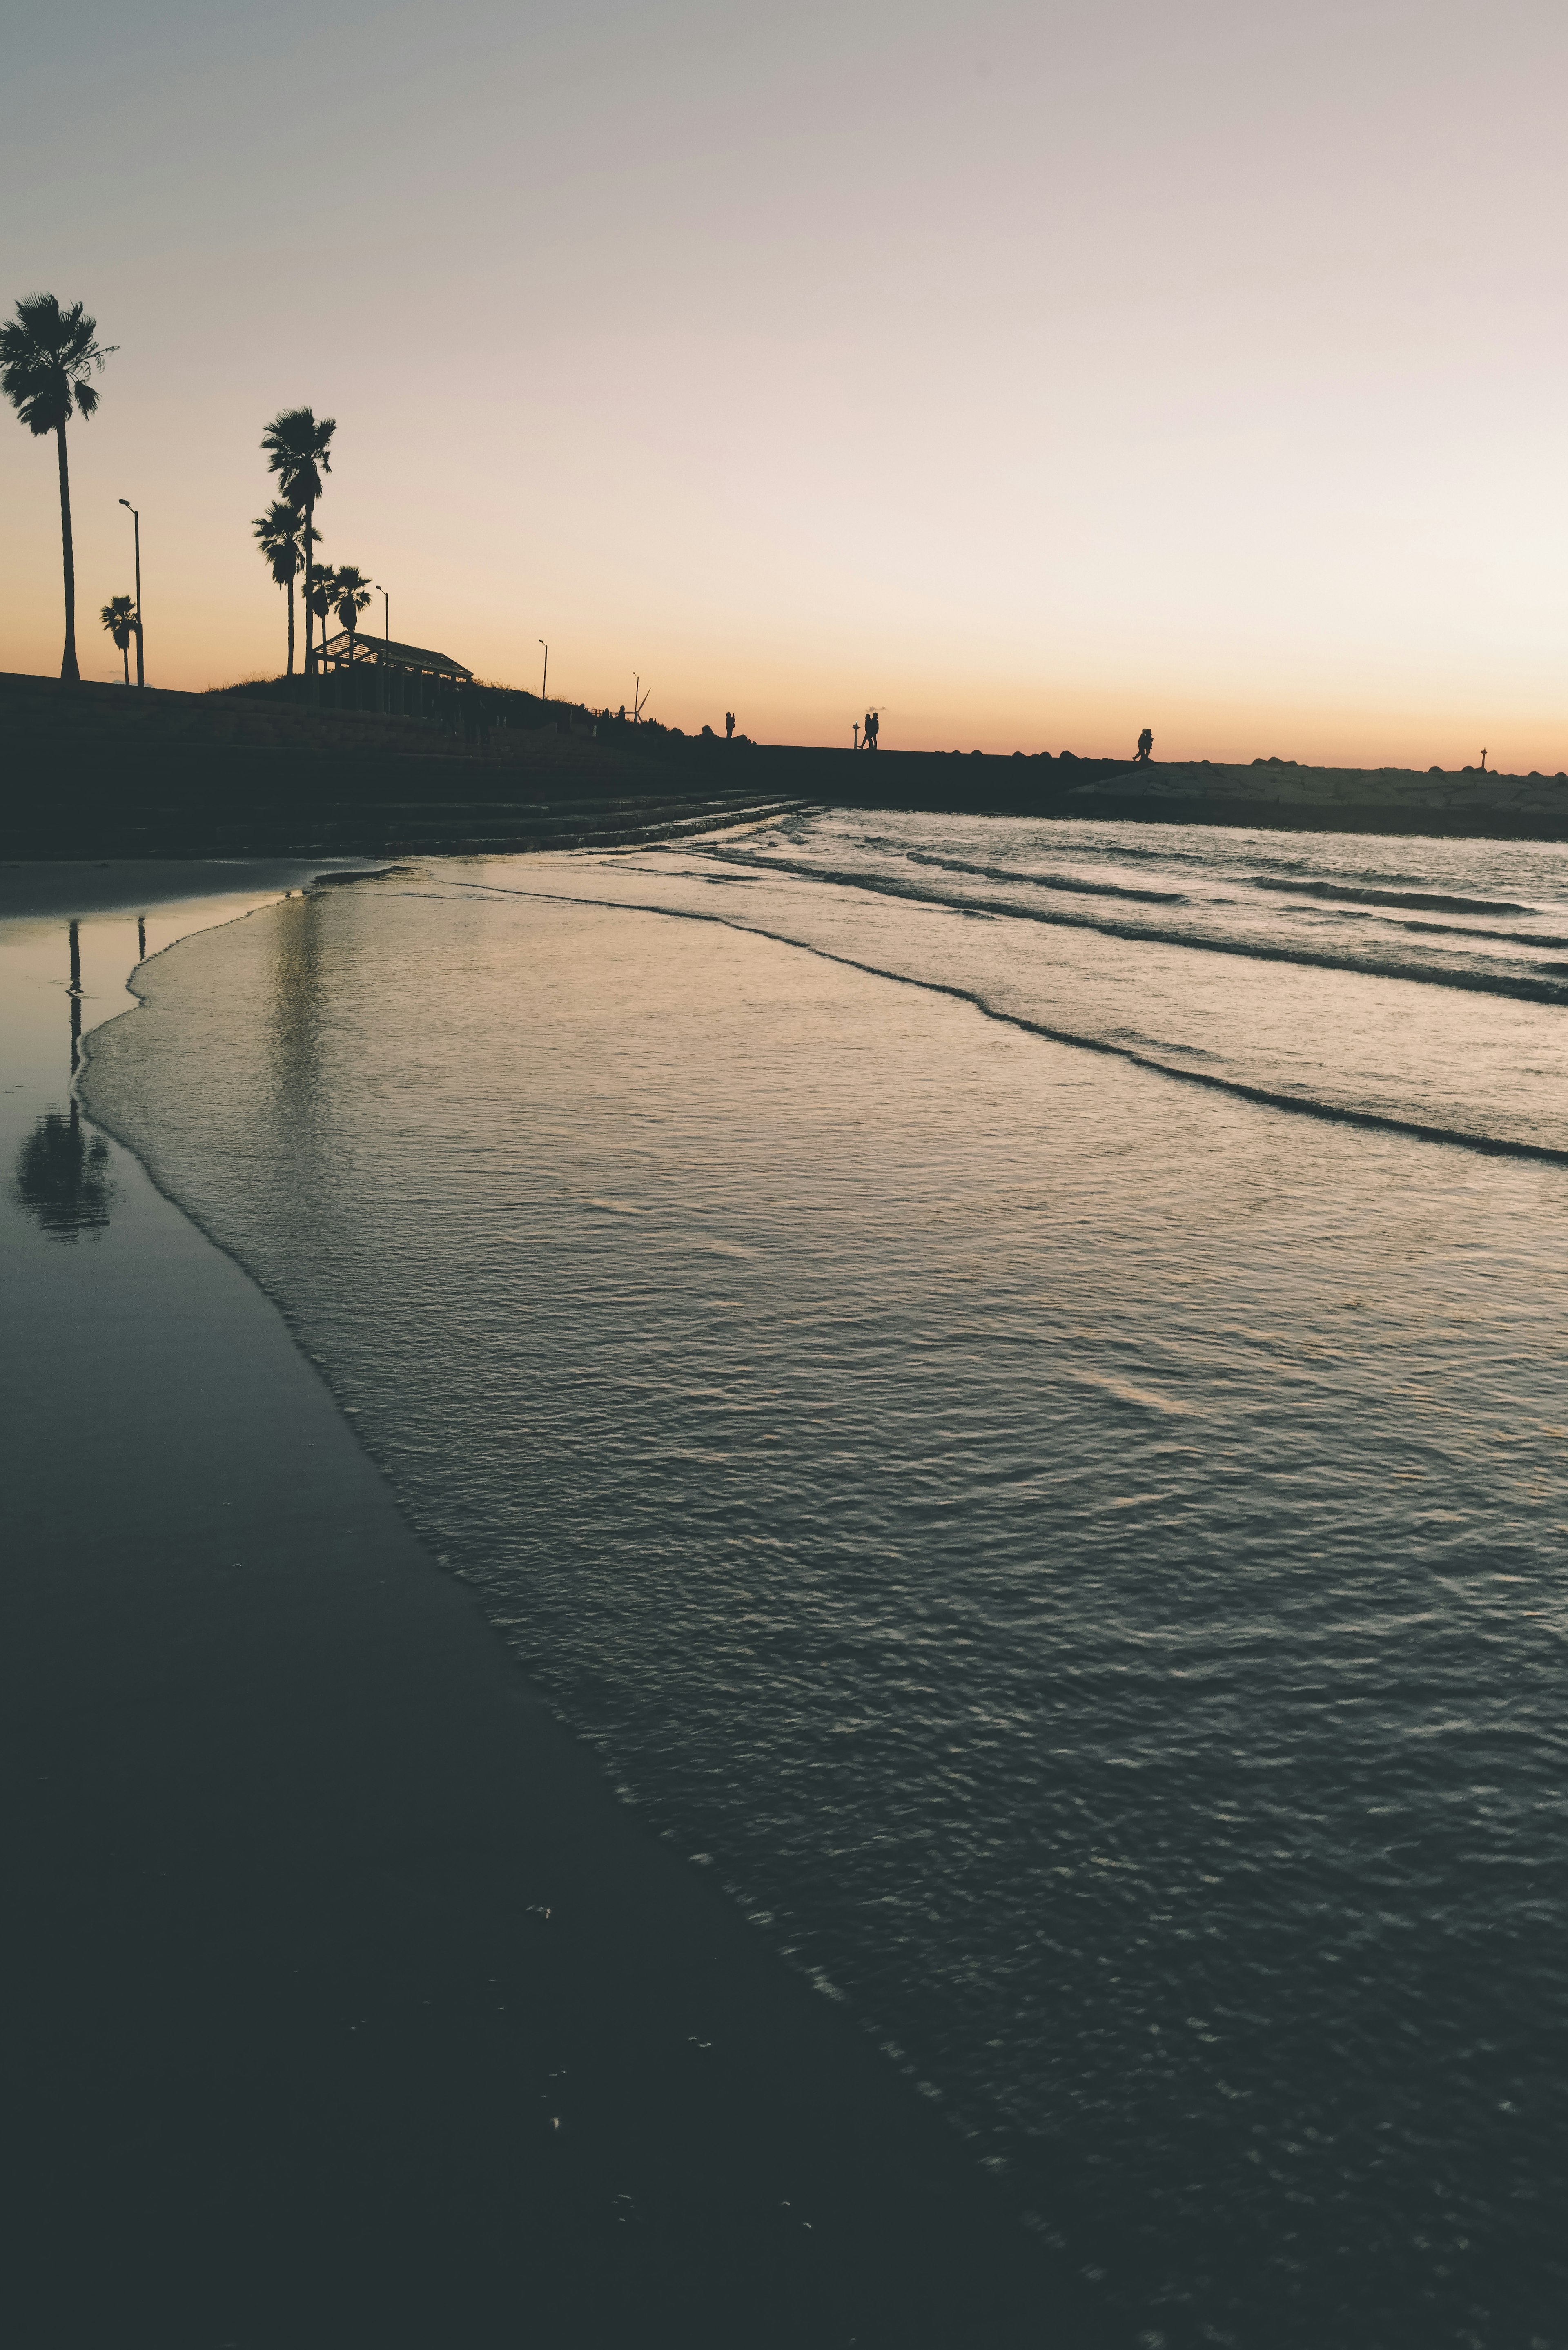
[1012, 1379]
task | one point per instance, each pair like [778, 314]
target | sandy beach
[784, 1153]
[710, 1553]
[346, 2003]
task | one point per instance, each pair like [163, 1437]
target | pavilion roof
[369, 645]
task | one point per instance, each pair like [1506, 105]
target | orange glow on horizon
[1100, 373]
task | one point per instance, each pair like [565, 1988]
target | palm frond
[280, 539]
[297, 448]
[118, 619]
[48, 353]
[350, 594]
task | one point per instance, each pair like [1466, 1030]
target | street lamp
[546, 679]
[387, 641]
[136, 522]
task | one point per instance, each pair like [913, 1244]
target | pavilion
[409, 676]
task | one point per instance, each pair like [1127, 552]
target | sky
[1034, 372]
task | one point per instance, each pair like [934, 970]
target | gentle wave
[1301, 1105]
[1051, 880]
[1428, 900]
[1082, 1561]
[1256, 949]
[1508, 938]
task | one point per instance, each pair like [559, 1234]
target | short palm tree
[351, 593]
[120, 622]
[298, 450]
[322, 596]
[280, 535]
[48, 359]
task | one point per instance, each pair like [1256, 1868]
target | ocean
[1010, 1379]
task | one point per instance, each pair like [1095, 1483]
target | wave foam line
[1490, 1145]
[1428, 900]
[1051, 880]
[1529, 991]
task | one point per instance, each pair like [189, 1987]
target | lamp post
[387, 642]
[136, 524]
[544, 681]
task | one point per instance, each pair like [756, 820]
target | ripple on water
[1079, 1556]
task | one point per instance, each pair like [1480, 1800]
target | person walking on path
[729, 726]
[873, 728]
[1144, 746]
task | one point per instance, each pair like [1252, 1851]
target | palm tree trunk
[125, 657]
[309, 584]
[291, 627]
[69, 673]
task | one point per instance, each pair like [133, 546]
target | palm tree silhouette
[47, 356]
[297, 450]
[280, 535]
[351, 593]
[118, 617]
[321, 597]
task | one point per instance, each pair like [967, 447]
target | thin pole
[135, 515]
[544, 681]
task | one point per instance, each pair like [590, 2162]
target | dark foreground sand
[343, 2002]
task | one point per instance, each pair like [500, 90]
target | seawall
[98, 771]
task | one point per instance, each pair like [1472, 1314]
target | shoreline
[357, 2007]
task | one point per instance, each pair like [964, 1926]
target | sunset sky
[1037, 372]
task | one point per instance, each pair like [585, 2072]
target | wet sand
[346, 2005]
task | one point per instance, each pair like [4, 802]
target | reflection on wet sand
[296, 1034]
[75, 992]
[62, 1174]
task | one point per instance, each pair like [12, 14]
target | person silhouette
[1144, 746]
[729, 726]
[873, 728]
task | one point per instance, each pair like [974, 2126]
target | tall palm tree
[280, 535]
[118, 622]
[298, 450]
[47, 358]
[351, 592]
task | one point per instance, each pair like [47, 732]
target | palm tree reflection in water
[296, 1100]
[62, 1174]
